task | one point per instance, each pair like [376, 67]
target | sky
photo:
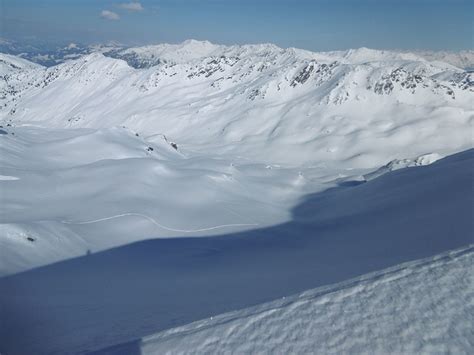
[313, 25]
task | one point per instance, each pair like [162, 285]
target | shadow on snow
[119, 295]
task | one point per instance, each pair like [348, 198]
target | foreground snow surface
[425, 306]
[124, 294]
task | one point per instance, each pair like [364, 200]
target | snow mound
[396, 164]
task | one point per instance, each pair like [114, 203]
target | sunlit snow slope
[206, 139]
[69, 192]
[362, 108]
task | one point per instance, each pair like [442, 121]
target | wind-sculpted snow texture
[420, 307]
[123, 294]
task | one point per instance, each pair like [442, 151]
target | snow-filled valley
[151, 189]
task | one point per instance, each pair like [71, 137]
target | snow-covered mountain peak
[192, 50]
[197, 92]
[151, 55]
[364, 55]
[9, 62]
[194, 43]
[94, 58]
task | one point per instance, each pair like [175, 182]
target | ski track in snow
[8, 178]
[152, 220]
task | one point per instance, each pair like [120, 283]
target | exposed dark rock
[303, 76]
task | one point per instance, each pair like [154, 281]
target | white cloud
[109, 15]
[131, 6]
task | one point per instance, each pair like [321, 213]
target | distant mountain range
[150, 55]
[311, 103]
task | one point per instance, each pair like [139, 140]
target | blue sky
[314, 25]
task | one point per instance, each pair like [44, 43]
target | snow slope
[256, 126]
[419, 307]
[11, 62]
[271, 105]
[62, 190]
[123, 294]
[295, 170]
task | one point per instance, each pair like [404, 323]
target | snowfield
[123, 294]
[65, 192]
[147, 192]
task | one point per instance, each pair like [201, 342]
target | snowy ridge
[146, 56]
[462, 59]
[15, 77]
[9, 62]
[415, 307]
[150, 55]
[255, 99]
